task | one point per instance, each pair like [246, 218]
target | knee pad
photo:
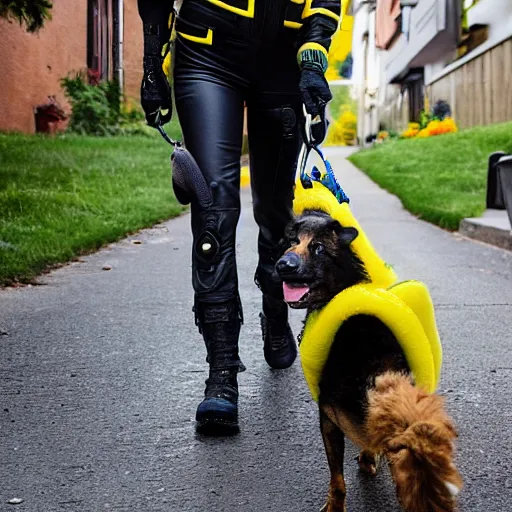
[207, 246]
[214, 271]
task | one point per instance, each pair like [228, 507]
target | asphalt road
[101, 372]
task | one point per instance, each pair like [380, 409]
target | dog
[366, 388]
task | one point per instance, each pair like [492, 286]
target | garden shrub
[97, 107]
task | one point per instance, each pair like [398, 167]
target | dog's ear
[347, 235]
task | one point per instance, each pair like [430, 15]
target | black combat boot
[220, 326]
[279, 346]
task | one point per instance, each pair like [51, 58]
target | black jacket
[314, 20]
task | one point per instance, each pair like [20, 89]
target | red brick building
[82, 34]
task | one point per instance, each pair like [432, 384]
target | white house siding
[367, 69]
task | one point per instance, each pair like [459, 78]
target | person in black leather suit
[270, 55]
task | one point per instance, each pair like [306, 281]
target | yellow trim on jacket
[248, 13]
[292, 24]
[312, 46]
[310, 11]
[208, 39]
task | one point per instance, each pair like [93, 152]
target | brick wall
[32, 64]
[133, 50]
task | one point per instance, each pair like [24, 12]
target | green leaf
[31, 13]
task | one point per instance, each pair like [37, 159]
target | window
[99, 38]
[415, 90]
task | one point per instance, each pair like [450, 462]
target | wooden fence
[480, 91]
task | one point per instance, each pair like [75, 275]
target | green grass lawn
[441, 179]
[65, 196]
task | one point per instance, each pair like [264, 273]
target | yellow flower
[342, 132]
[410, 132]
[434, 127]
[448, 125]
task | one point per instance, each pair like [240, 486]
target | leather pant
[211, 84]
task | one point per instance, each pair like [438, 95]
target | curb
[493, 228]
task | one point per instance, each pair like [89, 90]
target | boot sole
[284, 364]
[217, 417]
[280, 366]
[215, 427]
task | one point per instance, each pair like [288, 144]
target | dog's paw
[368, 462]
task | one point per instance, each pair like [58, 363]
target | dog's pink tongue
[292, 294]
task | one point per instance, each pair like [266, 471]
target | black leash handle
[309, 144]
[158, 125]
[328, 178]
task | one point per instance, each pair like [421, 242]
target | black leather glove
[314, 89]
[155, 93]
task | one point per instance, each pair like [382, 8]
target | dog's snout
[288, 264]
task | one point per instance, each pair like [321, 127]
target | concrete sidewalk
[101, 372]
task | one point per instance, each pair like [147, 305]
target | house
[102, 35]
[415, 52]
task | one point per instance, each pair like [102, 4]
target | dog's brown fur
[415, 433]
[366, 390]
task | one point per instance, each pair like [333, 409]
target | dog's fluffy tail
[413, 430]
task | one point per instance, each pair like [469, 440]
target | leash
[318, 125]
[327, 178]
[159, 125]
[174, 143]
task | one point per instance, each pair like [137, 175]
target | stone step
[493, 228]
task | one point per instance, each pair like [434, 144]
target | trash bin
[505, 178]
[494, 191]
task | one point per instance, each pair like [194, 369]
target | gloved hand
[314, 89]
[155, 92]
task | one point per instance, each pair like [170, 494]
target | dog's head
[318, 262]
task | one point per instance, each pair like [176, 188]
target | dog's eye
[294, 241]
[318, 249]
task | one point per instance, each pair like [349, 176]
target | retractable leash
[326, 178]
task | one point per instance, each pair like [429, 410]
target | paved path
[101, 371]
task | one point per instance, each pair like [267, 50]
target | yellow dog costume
[405, 307]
